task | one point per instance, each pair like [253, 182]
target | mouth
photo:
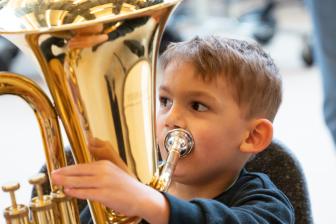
[179, 140]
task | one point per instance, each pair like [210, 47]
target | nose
[175, 118]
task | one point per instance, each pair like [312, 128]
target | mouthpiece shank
[178, 143]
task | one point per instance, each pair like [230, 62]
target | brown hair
[251, 74]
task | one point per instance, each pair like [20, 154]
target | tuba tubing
[45, 113]
[14, 84]
[104, 88]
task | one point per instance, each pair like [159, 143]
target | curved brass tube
[45, 113]
[53, 147]
[98, 59]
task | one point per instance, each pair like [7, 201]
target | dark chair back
[284, 170]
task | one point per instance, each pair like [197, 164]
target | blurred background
[283, 28]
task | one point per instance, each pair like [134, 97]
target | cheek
[159, 127]
[159, 119]
[163, 153]
[213, 140]
[160, 135]
[207, 138]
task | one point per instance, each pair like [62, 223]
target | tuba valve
[16, 213]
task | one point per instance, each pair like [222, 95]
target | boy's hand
[106, 183]
[88, 37]
[100, 149]
[103, 150]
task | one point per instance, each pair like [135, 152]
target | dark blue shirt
[252, 199]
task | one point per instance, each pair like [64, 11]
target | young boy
[226, 93]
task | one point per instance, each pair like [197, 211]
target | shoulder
[253, 199]
[256, 187]
[251, 181]
[255, 179]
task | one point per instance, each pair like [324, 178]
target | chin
[178, 179]
[180, 172]
[185, 179]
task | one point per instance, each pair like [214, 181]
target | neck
[209, 189]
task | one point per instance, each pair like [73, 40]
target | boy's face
[210, 113]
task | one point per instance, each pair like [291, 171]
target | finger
[88, 193]
[102, 150]
[90, 29]
[77, 181]
[86, 41]
[85, 169]
[101, 153]
[92, 194]
[96, 142]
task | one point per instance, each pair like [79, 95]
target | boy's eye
[199, 106]
[165, 102]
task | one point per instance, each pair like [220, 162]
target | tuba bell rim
[113, 18]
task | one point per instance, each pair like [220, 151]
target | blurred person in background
[8, 51]
[324, 27]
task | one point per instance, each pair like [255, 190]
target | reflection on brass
[98, 59]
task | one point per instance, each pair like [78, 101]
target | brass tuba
[98, 59]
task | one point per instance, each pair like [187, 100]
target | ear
[258, 137]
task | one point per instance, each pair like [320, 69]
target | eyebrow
[193, 93]
[164, 88]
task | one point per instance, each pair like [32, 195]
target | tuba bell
[98, 59]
